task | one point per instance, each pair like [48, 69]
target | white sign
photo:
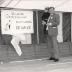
[16, 22]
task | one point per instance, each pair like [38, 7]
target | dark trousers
[44, 29]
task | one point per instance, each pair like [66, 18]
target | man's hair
[46, 8]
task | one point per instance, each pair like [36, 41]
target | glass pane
[66, 27]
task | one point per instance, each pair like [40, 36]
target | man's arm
[43, 22]
[56, 20]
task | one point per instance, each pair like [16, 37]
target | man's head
[46, 9]
[51, 9]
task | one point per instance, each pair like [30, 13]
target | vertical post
[70, 50]
[37, 27]
[71, 27]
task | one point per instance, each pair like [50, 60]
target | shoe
[56, 60]
[51, 58]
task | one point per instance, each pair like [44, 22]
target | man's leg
[55, 47]
[50, 47]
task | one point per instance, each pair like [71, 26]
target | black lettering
[29, 27]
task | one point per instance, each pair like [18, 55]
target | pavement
[38, 65]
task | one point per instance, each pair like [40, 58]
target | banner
[16, 22]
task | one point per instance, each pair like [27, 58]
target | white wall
[60, 36]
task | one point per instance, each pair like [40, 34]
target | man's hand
[43, 22]
[49, 24]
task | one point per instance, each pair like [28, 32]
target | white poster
[27, 39]
[16, 22]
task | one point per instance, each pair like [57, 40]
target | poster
[16, 21]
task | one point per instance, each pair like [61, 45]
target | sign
[16, 21]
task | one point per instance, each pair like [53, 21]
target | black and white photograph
[35, 35]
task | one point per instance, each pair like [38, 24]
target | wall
[7, 53]
[33, 51]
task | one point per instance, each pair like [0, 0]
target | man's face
[51, 10]
[46, 10]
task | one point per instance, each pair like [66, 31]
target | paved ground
[44, 65]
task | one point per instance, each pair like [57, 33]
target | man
[53, 22]
[45, 17]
